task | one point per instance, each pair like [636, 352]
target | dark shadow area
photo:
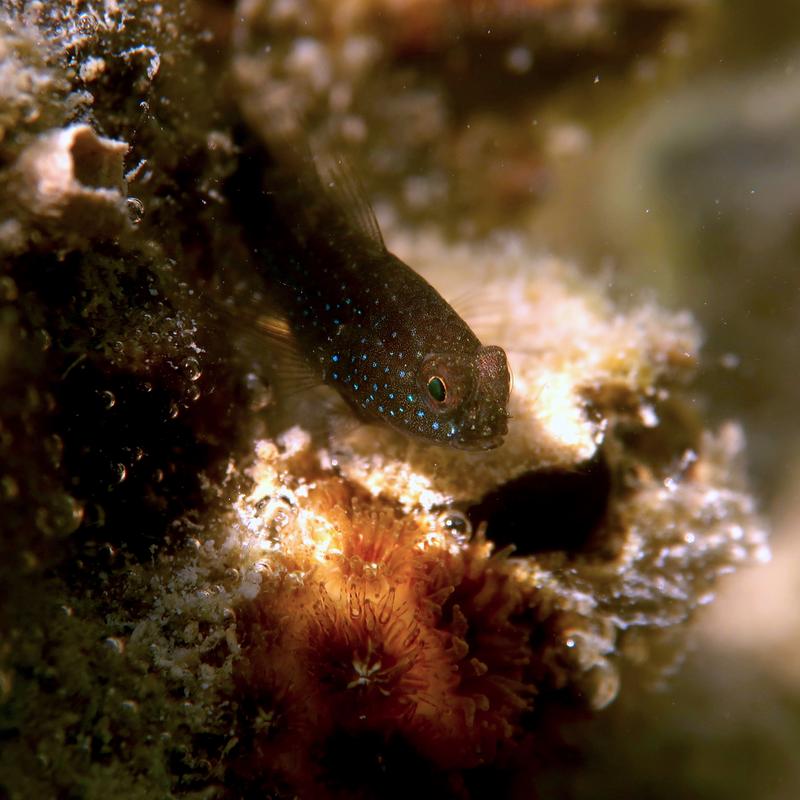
[372, 765]
[547, 510]
[473, 60]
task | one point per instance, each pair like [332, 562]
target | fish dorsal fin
[345, 190]
[300, 166]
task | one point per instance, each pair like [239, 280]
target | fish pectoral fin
[267, 337]
[274, 327]
[293, 378]
[345, 191]
[293, 374]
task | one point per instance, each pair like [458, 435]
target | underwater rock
[70, 187]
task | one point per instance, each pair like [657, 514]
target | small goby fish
[364, 322]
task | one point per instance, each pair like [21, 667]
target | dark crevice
[547, 510]
[369, 765]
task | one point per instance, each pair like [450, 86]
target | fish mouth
[487, 435]
[477, 445]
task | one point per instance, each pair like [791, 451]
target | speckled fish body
[365, 322]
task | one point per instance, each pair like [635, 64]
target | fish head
[466, 397]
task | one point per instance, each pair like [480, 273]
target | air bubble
[61, 518]
[135, 210]
[107, 553]
[108, 399]
[456, 522]
[120, 472]
[86, 24]
[192, 393]
[115, 644]
[192, 369]
[173, 411]
[94, 516]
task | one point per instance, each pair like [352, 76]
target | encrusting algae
[266, 611]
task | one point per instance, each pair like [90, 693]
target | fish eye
[437, 388]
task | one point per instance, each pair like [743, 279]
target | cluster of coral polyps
[364, 613]
[378, 600]
[368, 620]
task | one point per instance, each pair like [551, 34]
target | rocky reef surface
[207, 591]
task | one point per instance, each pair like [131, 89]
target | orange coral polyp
[386, 636]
